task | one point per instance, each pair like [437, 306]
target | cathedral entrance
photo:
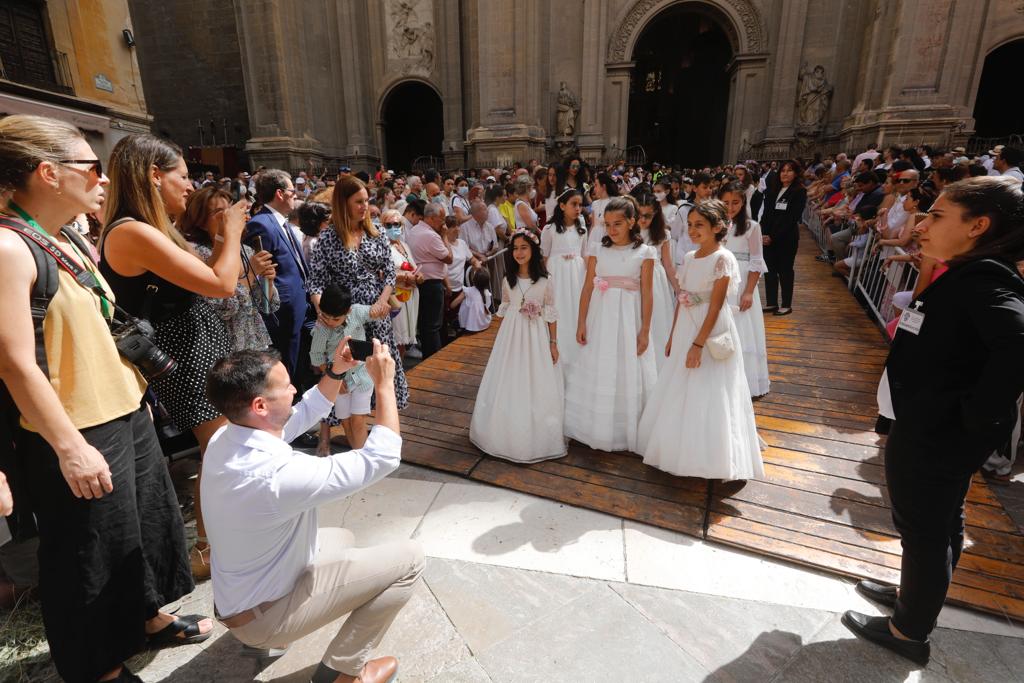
[679, 89]
[994, 115]
[413, 121]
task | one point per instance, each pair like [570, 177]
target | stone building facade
[73, 61]
[523, 79]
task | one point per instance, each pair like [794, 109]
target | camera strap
[83, 276]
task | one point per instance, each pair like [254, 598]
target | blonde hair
[131, 194]
[346, 187]
[27, 141]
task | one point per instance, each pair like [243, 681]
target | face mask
[463, 191]
[533, 194]
[394, 234]
[660, 196]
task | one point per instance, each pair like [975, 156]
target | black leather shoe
[876, 629]
[878, 592]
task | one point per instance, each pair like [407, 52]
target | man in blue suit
[275, 191]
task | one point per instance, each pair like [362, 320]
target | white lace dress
[567, 270]
[608, 385]
[520, 403]
[748, 250]
[699, 422]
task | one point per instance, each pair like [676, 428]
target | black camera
[133, 341]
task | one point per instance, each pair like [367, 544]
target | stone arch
[410, 121]
[389, 87]
[740, 18]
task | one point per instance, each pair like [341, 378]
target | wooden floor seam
[822, 503]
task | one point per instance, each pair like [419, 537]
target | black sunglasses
[392, 225]
[94, 165]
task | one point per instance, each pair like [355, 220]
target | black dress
[187, 329]
[954, 391]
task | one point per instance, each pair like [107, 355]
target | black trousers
[106, 565]
[928, 511]
[431, 316]
[780, 258]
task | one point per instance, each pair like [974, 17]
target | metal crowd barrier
[813, 222]
[879, 283]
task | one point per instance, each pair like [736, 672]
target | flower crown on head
[523, 232]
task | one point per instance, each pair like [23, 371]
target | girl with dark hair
[783, 211]
[604, 190]
[615, 371]
[743, 239]
[551, 198]
[475, 311]
[699, 421]
[563, 243]
[955, 371]
[655, 233]
[519, 406]
[314, 217]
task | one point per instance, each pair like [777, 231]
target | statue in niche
[813, 100]
[568, 108]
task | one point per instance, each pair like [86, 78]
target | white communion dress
[608, 385]
[664, 304]
[519, 406]
[699, 422]
[565, 252]
[748, 250]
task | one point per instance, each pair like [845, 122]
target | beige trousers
[371, 583]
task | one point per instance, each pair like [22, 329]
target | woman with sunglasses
[407, 281]
[112, 543]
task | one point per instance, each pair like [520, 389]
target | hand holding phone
[361, 350]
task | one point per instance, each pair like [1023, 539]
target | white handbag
[720, 346]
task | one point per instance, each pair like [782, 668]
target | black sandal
[186, 626]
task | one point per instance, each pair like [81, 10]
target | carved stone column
[591, 131]
[616, 104]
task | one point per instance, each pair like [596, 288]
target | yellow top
[508, 212]
[94, 383]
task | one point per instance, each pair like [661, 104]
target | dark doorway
[679, 91]
[413, 124]
[994, 114]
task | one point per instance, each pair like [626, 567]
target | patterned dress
[365, 272]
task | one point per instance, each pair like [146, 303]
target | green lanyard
[104, 304]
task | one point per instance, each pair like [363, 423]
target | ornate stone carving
[411, 35]
[813, 101]
[642, 10]
[568, 108]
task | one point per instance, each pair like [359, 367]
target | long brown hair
[131, 194]
[1000, 199]
[192, 223]
[346, 187]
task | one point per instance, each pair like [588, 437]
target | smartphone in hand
[361, 350]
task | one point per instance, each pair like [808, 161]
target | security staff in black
[955, 371]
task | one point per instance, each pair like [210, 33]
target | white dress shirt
[259, 500]
[1014, 173]
[480, 238]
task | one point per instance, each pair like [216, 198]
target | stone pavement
[519, 588]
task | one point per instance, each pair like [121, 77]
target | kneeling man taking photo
[276, 576]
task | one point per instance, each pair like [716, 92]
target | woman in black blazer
[955, 371]
[780, 227]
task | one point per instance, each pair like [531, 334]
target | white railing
[812, 219]
[881, 284]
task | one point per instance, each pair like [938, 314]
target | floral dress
[365, 272]
[244, 324]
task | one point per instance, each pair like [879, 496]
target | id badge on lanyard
[912, 319]
[780, 204]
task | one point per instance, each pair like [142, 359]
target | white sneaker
[414, 352]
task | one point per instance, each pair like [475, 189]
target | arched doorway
[994, 115]
[679, 88]
[413, 121]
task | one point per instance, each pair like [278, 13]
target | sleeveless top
[167, 299]
[93, 382]
[520, 223]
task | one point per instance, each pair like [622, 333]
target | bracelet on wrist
[699, 346]
[553, 342]
[332, 374]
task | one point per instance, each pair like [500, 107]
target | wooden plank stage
[822, 502]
